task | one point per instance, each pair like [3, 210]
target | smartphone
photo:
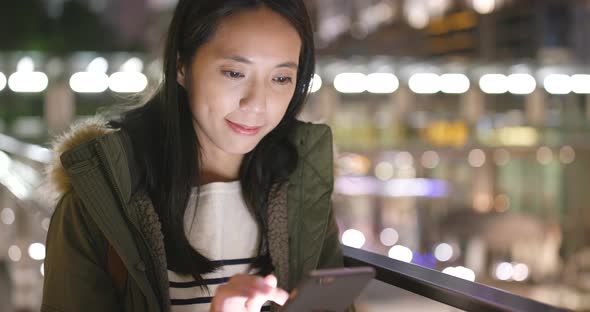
[332, 290]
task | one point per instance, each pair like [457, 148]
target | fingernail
[271, 280]
[263, 285]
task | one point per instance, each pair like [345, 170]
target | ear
[180, 78]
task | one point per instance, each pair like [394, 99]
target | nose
[254, 99]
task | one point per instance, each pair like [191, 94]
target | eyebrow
[244, 60]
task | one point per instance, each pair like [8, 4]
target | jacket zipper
[103, 160]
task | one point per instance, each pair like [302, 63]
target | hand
[247, 293]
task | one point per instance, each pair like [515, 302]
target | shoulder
[78, 136]
[72, 222]
[315, 148]
[86, 144]
[310, 134]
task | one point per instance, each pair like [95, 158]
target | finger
[228, 298]
[244, 286]
[248, 291]
[229, 290]
[278, 295]
[271, 280]
[250, 285]
[252, 291]
[255, 303]
[261, 286]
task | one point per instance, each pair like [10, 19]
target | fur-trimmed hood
[82, 132]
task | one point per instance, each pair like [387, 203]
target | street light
[26, 80]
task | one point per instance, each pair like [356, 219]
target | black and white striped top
[223, 230]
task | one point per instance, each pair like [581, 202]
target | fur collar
[85, 131]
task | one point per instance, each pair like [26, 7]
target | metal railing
[441, 287]
[435, 285]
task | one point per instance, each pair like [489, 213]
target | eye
[233, 74]
[283, 80]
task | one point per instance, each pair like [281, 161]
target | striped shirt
[223, 230]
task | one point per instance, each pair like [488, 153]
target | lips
[243, 129]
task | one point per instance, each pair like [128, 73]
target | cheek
[212, 99]
[278, 107]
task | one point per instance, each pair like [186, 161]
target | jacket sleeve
[76, 278]
[331, 253]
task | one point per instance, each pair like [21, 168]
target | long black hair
[166, 145]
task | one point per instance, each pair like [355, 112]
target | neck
[222, 167]
[216, 165]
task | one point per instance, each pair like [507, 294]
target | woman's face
[242, 80]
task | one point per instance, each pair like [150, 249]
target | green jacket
[102, 207]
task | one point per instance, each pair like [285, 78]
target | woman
[211, 196]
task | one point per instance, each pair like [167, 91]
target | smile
[243, 130]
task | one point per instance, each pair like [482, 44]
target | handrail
[29, 151]
[441, 287]
[444, 288]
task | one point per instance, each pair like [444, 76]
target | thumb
[271, 280]
[279, 296]
[255, 303]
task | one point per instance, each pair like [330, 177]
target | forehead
[257, 33]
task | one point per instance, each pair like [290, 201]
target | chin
[238, 149]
